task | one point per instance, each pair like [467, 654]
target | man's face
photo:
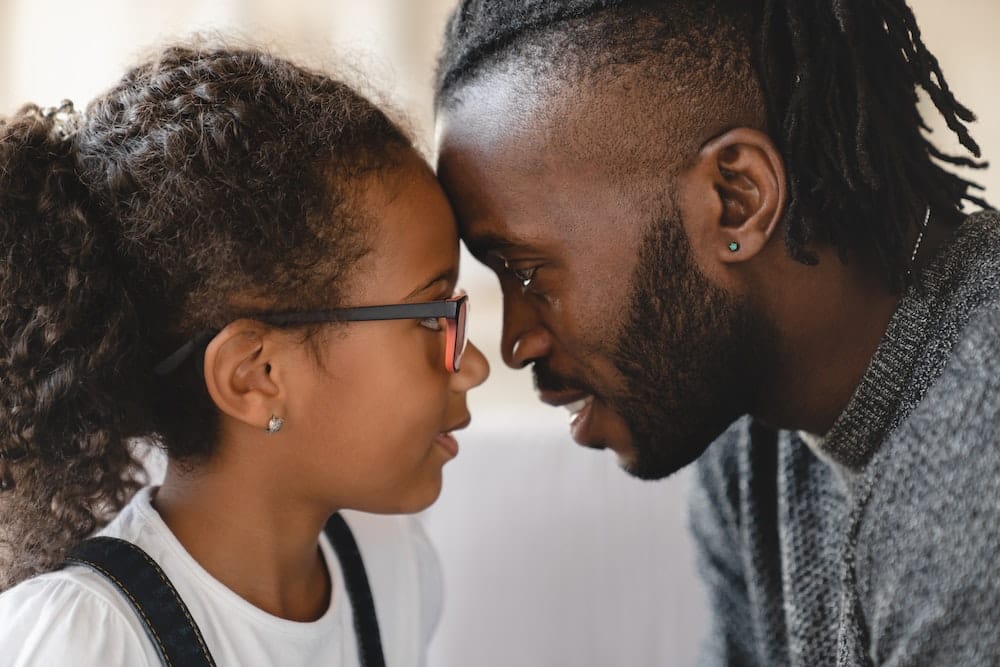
[601, 295]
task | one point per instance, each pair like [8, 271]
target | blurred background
[552, 556]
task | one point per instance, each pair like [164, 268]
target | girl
[194, 262]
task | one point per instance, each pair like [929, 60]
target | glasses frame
[455, 311]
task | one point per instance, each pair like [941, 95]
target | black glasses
[455, 311]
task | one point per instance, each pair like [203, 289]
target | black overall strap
[358, 590]
[164, 615]
[167, 620]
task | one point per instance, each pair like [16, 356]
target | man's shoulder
[737, 467]
[720, 463]
[927, 543]
[976, 351]
[937, 482]
[962, 405]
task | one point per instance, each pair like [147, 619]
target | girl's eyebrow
[449, 275]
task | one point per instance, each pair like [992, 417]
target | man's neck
[829, 325]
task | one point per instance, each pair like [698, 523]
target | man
[718, 221]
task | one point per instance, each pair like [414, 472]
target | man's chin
[598, 426]
[645, 471]
[633, 462]
[653, 460]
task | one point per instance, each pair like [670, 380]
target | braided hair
[838, 82]
[206, 179]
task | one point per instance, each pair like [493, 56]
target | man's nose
[524, 338]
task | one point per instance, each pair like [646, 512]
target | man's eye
[432, 323]
[525, 276]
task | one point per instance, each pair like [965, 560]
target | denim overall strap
[164, 615]
[358, 590]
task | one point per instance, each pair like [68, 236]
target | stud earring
[734, 246]
[274, 424]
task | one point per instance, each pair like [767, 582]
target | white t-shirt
[75, 617]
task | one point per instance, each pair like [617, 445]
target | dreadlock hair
[837, 80]
[208, 179]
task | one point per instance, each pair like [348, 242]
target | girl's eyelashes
[432, 323]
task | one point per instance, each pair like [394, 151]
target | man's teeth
[576, 406]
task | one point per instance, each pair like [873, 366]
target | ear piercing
[734, 246]
[916, 246]
[274, 424]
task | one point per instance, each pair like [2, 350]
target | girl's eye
[432, 323]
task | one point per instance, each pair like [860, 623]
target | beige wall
[962, 34]
[54, 50]
[64, 48]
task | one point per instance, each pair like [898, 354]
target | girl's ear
[735, 194]
[240, 374]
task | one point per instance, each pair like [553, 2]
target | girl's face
[373, 417]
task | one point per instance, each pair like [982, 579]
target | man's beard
[690, 354]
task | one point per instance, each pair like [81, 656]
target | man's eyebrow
[482, 244]
[448, 276]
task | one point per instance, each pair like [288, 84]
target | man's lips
[592, 421]
[579, 406]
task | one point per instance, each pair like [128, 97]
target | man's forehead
[503, 113]
[615, 125]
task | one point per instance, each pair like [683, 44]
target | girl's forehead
[415, 240]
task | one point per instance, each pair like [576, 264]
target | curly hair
[836, 79]
[207, 178]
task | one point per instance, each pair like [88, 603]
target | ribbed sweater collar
[964, 275]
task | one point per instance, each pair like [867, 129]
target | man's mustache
[549, 381]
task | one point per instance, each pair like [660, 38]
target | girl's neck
[258, 544]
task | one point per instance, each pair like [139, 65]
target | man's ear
[240, 375]
[733, 196]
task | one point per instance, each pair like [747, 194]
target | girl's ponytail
[67, 332]
[207, 178]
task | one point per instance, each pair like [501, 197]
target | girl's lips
[448, 443]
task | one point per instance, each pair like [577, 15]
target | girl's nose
[473, 371]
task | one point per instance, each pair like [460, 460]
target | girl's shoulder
[77, 612]
[404, 573]
[72, 612]
[395, 545]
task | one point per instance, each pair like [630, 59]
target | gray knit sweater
[885, 549]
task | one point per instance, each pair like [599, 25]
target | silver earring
[916, 245]
[274, 424]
